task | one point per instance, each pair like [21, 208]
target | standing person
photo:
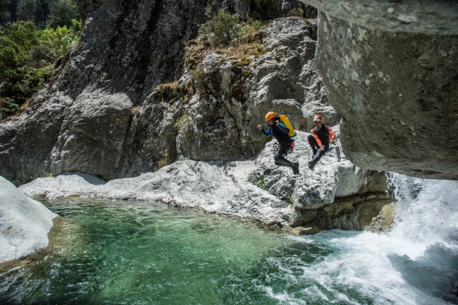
[280, 132]
[320, 138]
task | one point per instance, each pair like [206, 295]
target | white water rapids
[416, 263]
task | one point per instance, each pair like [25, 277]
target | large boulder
[390, 70]
[92, 135]
[24, 224]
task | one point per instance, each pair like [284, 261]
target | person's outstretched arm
[267, 132]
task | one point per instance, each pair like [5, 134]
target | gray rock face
[104, 114]
[390, 70]
[335, 194]
[24, 224]
[81, 120]
[93, 129]
[220, 122]
[415, 16]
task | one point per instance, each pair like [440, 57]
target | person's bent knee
[312, 141]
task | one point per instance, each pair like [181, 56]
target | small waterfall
[415, 263]
[426, 231]
[427, 211]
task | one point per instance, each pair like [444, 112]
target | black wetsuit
[280, 133]
[323, 135]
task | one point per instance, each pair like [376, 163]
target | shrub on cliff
[219, 30]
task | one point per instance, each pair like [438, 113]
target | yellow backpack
[284, 119]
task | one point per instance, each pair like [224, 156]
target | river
[125, 252]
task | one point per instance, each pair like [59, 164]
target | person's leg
[313, 144]
[282, 161]
[280, 156]
[318, 155]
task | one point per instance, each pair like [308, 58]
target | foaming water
[415, 263]
[143, 253]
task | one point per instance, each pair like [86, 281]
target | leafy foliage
[220, 30]
[27, 55]
[223, 34]
[297, 12]
[8, 106]
[43, 13]
[252, 27]
[8, 9]
[62, 12]
[33, 35]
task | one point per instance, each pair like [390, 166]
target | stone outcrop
[24, 224]
[390, 70]
[80, 121]
[124, 103]
[335, 194]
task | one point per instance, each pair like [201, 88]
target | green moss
[181, 120]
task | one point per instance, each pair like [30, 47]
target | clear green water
[144, 253]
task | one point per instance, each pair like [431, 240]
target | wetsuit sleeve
[282, 128]
[332, 135]
[318, 141]
[267, 132]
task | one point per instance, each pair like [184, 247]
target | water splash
[428, 211]
[416, 263]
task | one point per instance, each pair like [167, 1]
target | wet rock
[305, 230]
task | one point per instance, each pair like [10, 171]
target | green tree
[8, 9]
[10, 57]
[23, 34]
[28, 10]
[27, 55]
[62, 12]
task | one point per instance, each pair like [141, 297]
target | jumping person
[320, 138]
[280, 132]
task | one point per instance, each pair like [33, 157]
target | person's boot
[296, 168]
